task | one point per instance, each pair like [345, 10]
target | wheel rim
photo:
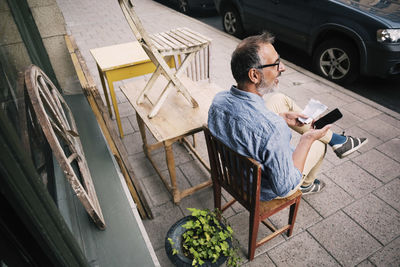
[334, 63]
[183, 6]
[230, 22]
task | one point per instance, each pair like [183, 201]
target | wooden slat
[199, 35]
[189, 38]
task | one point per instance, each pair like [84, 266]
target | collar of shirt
[247, 95]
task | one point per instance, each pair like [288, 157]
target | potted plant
[201, 240]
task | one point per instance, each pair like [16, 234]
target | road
[385, 92]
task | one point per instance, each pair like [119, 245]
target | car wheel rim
[183, 6]
[334, 63]
[230, 22]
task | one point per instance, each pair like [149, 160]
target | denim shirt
[241, 120]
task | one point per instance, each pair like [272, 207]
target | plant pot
[179, 259]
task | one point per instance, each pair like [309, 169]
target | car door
[257, 15]
[292, 20]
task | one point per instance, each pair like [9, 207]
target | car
[188, 6]
[344, 37]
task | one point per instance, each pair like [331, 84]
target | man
[260, 130]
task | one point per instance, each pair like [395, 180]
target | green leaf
[170, 241]
[174, 251]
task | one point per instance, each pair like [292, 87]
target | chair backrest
[134, 22]
[238, 175]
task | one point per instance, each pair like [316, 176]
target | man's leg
[312, 166]
[341, 145]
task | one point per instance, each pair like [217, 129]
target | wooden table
[119, 62]
[175, 121]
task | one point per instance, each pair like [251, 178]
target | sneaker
[350, 146]
[315, 187]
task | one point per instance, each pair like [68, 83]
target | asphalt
[354, 221]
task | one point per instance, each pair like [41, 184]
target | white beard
[263, 89]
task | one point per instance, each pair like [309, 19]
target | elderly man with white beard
[259, 129]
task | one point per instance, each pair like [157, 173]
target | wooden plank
[183, 35]
[176, 117]
[193, 36]
[197, 34]
[116, 146]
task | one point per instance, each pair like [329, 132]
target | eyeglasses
[277, 63]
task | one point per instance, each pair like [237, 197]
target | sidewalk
[354, 221]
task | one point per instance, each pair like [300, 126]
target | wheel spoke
[330, 53]
[342, 58]
[331, 71]
[342, 70]
[325, 63]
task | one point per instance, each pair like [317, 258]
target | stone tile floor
[355, 221]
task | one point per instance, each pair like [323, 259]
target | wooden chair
[160, 47]
[241, 177]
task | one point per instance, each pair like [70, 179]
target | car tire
[336, 60]
[183, 6]
[232, 22]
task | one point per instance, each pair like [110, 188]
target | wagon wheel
[58, 125]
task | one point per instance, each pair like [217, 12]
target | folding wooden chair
[160, 47]
[241, 178]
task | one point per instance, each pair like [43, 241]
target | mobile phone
[329, 118]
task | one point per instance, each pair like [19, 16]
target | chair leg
[217, 196]
[292, 215]
[253, 231]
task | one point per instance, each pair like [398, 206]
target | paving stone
[330, 200]
[301, 250]
[330, 100]
[387, 256]
[343, 97]
[306, 217]
[326, 166]
[298, 77]
[163, 258]
[121, 98]
[194, 172]
[380, 129]
[362, 110]
[164, 217]
[345, 240]
[133, 121]
[261, 261]
[126, 126]
[141, 166]
[181, 156]
[375, 216]
[125, 109]
[348, 120]
[389, 119]
[203, 199]
[373, 141]
[353, 179]
[391, 149]
[390, 193]
[335, 160]
[133, 143]
[316, 87]
[158, 193]
[240, 226]
[365, 263]
[379, 165]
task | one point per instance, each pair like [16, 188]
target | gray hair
[246, 55]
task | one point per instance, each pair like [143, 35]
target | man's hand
[291, 118]
[316, 134]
